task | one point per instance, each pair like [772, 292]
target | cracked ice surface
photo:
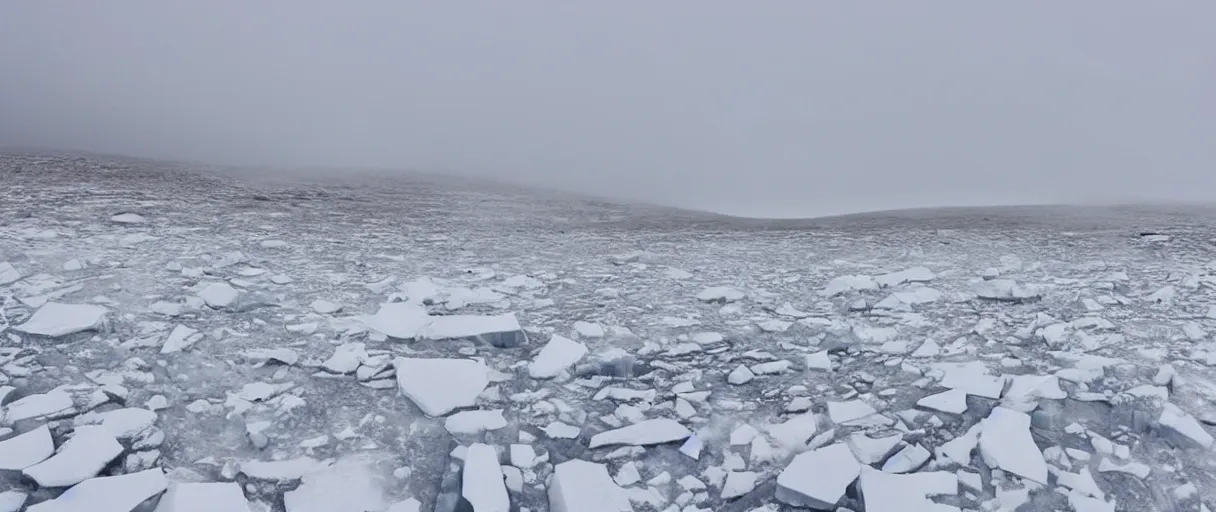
[397, 344]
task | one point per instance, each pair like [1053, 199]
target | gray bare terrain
[227, 325]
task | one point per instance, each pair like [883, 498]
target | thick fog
[774, 108]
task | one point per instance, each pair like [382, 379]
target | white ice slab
[203, 497]
[645, 433]
[468, 326]
[818, 478]
[80, 458]
[1004, 290]
[482, 480]
[181, 338]
[911, 275]
[25, 450]
[1005, 443]
[849, 283]
[399, 320]
[120, 493]
[887, 492]
[1184, 427]
[50, 403]
[952, 401]
[128, 218]
[557, 355]
[581, 486]
[219, 295]
[971, 377]
[284, 470]
[440, 386]
[720, 294]
[474, 422]
[872, 450]
[842, 413]
[739, 483]
[12, 501]
[8, 274]
[58, 319]
[351, 483]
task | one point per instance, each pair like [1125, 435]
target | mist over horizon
[781, 109]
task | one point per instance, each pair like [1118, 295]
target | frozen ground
[179, 341]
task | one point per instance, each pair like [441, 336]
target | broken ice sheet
[645, 433]
[120, 493]
[818, 478]
[56, 319]
[82, 457]
[440, 386]
[581, 486]
[557, 355]
[203, 497]
[1005, 443]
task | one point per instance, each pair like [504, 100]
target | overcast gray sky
[765, 108]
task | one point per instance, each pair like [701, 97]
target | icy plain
[178, 339]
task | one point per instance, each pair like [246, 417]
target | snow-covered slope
[268, 345]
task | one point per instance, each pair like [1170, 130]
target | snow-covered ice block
[843, 413]
[120, 493]
[58, 319]
[474, 422]
[818, 478]
[581, 486]
[203, 497]
[849, 283]
[25, 450]
[887, 492]
[440, 386]
[1183, 428]
[953, 401]
[53, 402]
[872, 450]
[911, 275]
[1005, 290]
[409, 320]
[128, 218]
[738, 483]
[285, 470]
[557, 355]
[497, 330]
[399, 320]
[794, 432]
[722, 294]
[351, 483]
[971, 377]
[644, 433]
[219, 295]
[89, 450]
[12, 501]
[482, 480]
[181, 338]
[8, 274]
[1005, 443]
